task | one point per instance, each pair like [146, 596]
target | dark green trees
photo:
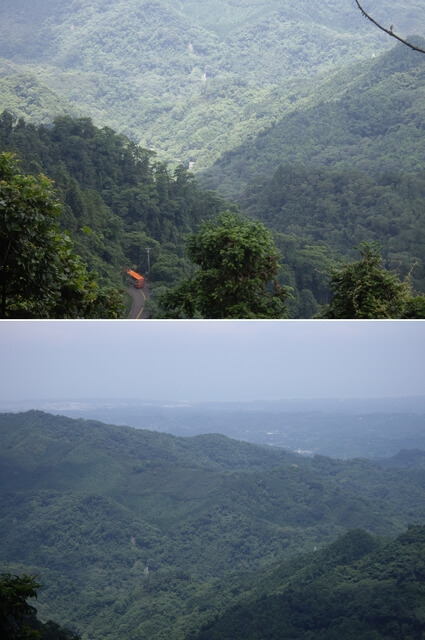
[40, 274]
[18, 620]
[366, 290]
[235, 276]
[14, 609]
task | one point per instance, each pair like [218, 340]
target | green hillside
[117, 199]
[25, 96]
[358, 587]
[344, 165]
[190, 79]
[134, 533]
[367, 117]
[293, 111]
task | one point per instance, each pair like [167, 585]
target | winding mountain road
[138, 311]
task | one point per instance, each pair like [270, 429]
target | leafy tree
[235, 275]
[40, 274]
[18, 619]
[14, 608]
[365, 289]
[415, 307]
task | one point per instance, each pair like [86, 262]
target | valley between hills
[153, 116]
[137, 534]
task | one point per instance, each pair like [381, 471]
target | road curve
[139, 296]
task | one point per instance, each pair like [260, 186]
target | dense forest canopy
[366, 118]
[118, 200]
[140, 534]
[292, 112]
[190, 79]
[358, 587]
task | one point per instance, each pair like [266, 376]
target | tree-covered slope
[345, 208]
[134, 533]
[358, 587]
[367, 117]
[117, 199]
[23, 94]
[344, 165]
[189, 78]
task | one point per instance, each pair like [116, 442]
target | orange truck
[137, 280]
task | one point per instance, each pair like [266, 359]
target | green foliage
[18, 620]
[340, 209]
[14, 608]
[40, 275]
[140, 66]
[116, 199]
[22, 94]
[365, 289]
[365, 118]
[359, 586]
[226, 83]
[141, 534]
[236, 260]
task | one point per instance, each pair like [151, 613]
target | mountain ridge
[118, 519]
[110, 59]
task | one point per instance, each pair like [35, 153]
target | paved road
[139, 296]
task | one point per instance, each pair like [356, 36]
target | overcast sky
[210, 360]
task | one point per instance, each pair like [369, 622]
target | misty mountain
[190, 79]
[293, 111]
[142, 534]
[375, 428]
[364, 118]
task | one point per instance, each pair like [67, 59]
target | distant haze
[211, 360]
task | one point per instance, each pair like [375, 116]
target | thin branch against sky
[389, 30]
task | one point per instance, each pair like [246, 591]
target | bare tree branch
[389, 31]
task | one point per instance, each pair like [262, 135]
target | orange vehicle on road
[137, 280]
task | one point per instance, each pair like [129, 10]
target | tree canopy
[100, 503]
[40, 274]
[18, 619]
[365, 289]
[14, 608]
[236, 264]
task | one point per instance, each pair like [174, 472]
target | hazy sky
[210, 360]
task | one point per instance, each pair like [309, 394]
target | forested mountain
[358, 587]
[290, 110]
[189, 78]
[342, 209]
[344, 166]
[117, 199]
[367, 117]
[136, 534]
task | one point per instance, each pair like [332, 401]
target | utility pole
[148, 249]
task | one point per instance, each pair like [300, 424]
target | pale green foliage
[139, 66]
